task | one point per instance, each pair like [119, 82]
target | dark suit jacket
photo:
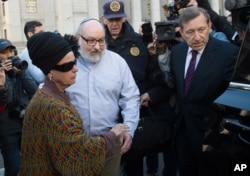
[211, 78]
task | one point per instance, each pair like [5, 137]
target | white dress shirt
[104, 92]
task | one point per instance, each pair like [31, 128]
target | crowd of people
[75, 108]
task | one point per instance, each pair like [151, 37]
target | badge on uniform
[134, 51]
[115, 6]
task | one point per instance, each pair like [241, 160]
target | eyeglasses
[93, 42]
[65, 67]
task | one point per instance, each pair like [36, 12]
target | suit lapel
[181, 66]
[203, 65]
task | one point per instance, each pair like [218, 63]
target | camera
[240, 17]
[174, 7]
[165, 31]
[18, 63]
[147, 32]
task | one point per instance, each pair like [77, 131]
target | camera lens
[18, 63]
[241, 17]
[244, 17]
[165, 31]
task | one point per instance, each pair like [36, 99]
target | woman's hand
[119, 129]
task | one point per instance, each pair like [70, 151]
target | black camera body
[18, 63]
[174, 8]
[241, 16]
[147, 32]
[165, 31]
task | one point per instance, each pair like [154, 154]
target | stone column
[155, 11]
[215, 5]
[93, 9]
[136, 16]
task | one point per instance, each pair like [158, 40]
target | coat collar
[51, 89]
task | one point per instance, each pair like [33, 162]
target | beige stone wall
[65, 15]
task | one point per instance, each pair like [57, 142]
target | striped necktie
[190, 72]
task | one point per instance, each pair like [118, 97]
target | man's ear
[30, 34]
[104, 20]
[123, 19]
[210, 24]
[181, 31]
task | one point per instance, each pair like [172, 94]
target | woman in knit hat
[53, 142]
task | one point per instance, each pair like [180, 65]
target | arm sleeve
[129, 101]
[33, 71]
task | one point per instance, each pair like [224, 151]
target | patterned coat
[53, 142]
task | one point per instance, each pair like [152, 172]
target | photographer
[16, 88]
[166, 35]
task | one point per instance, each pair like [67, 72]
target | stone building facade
[65, 15]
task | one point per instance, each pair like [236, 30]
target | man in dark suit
[214, 62]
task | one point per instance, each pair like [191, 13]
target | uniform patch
[134, 51]
[115, 6]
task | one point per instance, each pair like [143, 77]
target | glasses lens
[91, 42]
[101, 42]
[65, 67]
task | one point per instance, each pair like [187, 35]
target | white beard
[87, 56]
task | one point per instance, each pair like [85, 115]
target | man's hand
[152, 48]
[2, 77]
[145, 99]
[125, 141]
[7, 65]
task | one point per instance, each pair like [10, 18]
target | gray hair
[190, 13]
